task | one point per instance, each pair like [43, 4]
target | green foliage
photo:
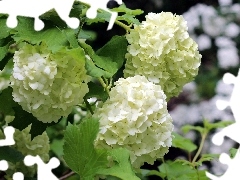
[79, 152]
[96, 90]
[81, 156]
[7, 107]
[128, 14]
[125, 14]
[10, 154]
[179, 171]
[108, 59]
[122, 166]
[53, 37]
[23, 119]
[183, 143]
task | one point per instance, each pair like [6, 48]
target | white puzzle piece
[44, 170]
[231, 131]
[35, 8]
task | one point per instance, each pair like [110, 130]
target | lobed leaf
[79, 152]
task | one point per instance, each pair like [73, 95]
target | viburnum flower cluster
[161, 50]
[136, 117]
[23, 143]
[48, 85]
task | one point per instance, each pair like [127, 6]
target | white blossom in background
[192, 18]
[228, 57]
[213, 25]
[235, 8]
[225, 2]
[224, 89]
[232, 30]
[224, 42]
[204, 42]
[190, 89]
[135, 117]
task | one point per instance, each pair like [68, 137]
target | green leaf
[188, 128]
[124, 9]
[86, 34]
[23, 119]
[3, 51]
[97, 91]
[122, 167]
[10, 154]
[179, 171]
[91, 64]
[102, 16]
[115, 50]
[57, 147]
[94, 71]
[7, 102]
[207, 157]
[3, 28]
[183, 143]
[220, 124]
[129, 19]
[79, 152]
[154, 173]
[129, 14]
[71, 37]
[173, 170]
[53, 37]
[233, 152]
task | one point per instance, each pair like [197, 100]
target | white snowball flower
[223, 42]
[48, 85]
[232, 30]
[211, 22]
[161, 50]
[225, 2]
[136, 117]
[224, 89]
[228, 57]
[204, 42]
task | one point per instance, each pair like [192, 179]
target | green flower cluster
[161, 50]
[23, 143]
[48, 85]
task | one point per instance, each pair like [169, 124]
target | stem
[204, 135]
[88, 106]
[124, 26]
[67, 175]
[103, 85]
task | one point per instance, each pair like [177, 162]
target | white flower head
[45, 84]
[136, 117]
[161, 50]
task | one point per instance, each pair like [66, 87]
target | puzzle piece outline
[35, 8]
[230, 131]
[44, 170]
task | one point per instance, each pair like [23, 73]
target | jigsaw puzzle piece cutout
[34, 9]
[9, 140]
[233, 167]
[231, 131]
[101, 4]
[44, 170]
[3, 165]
